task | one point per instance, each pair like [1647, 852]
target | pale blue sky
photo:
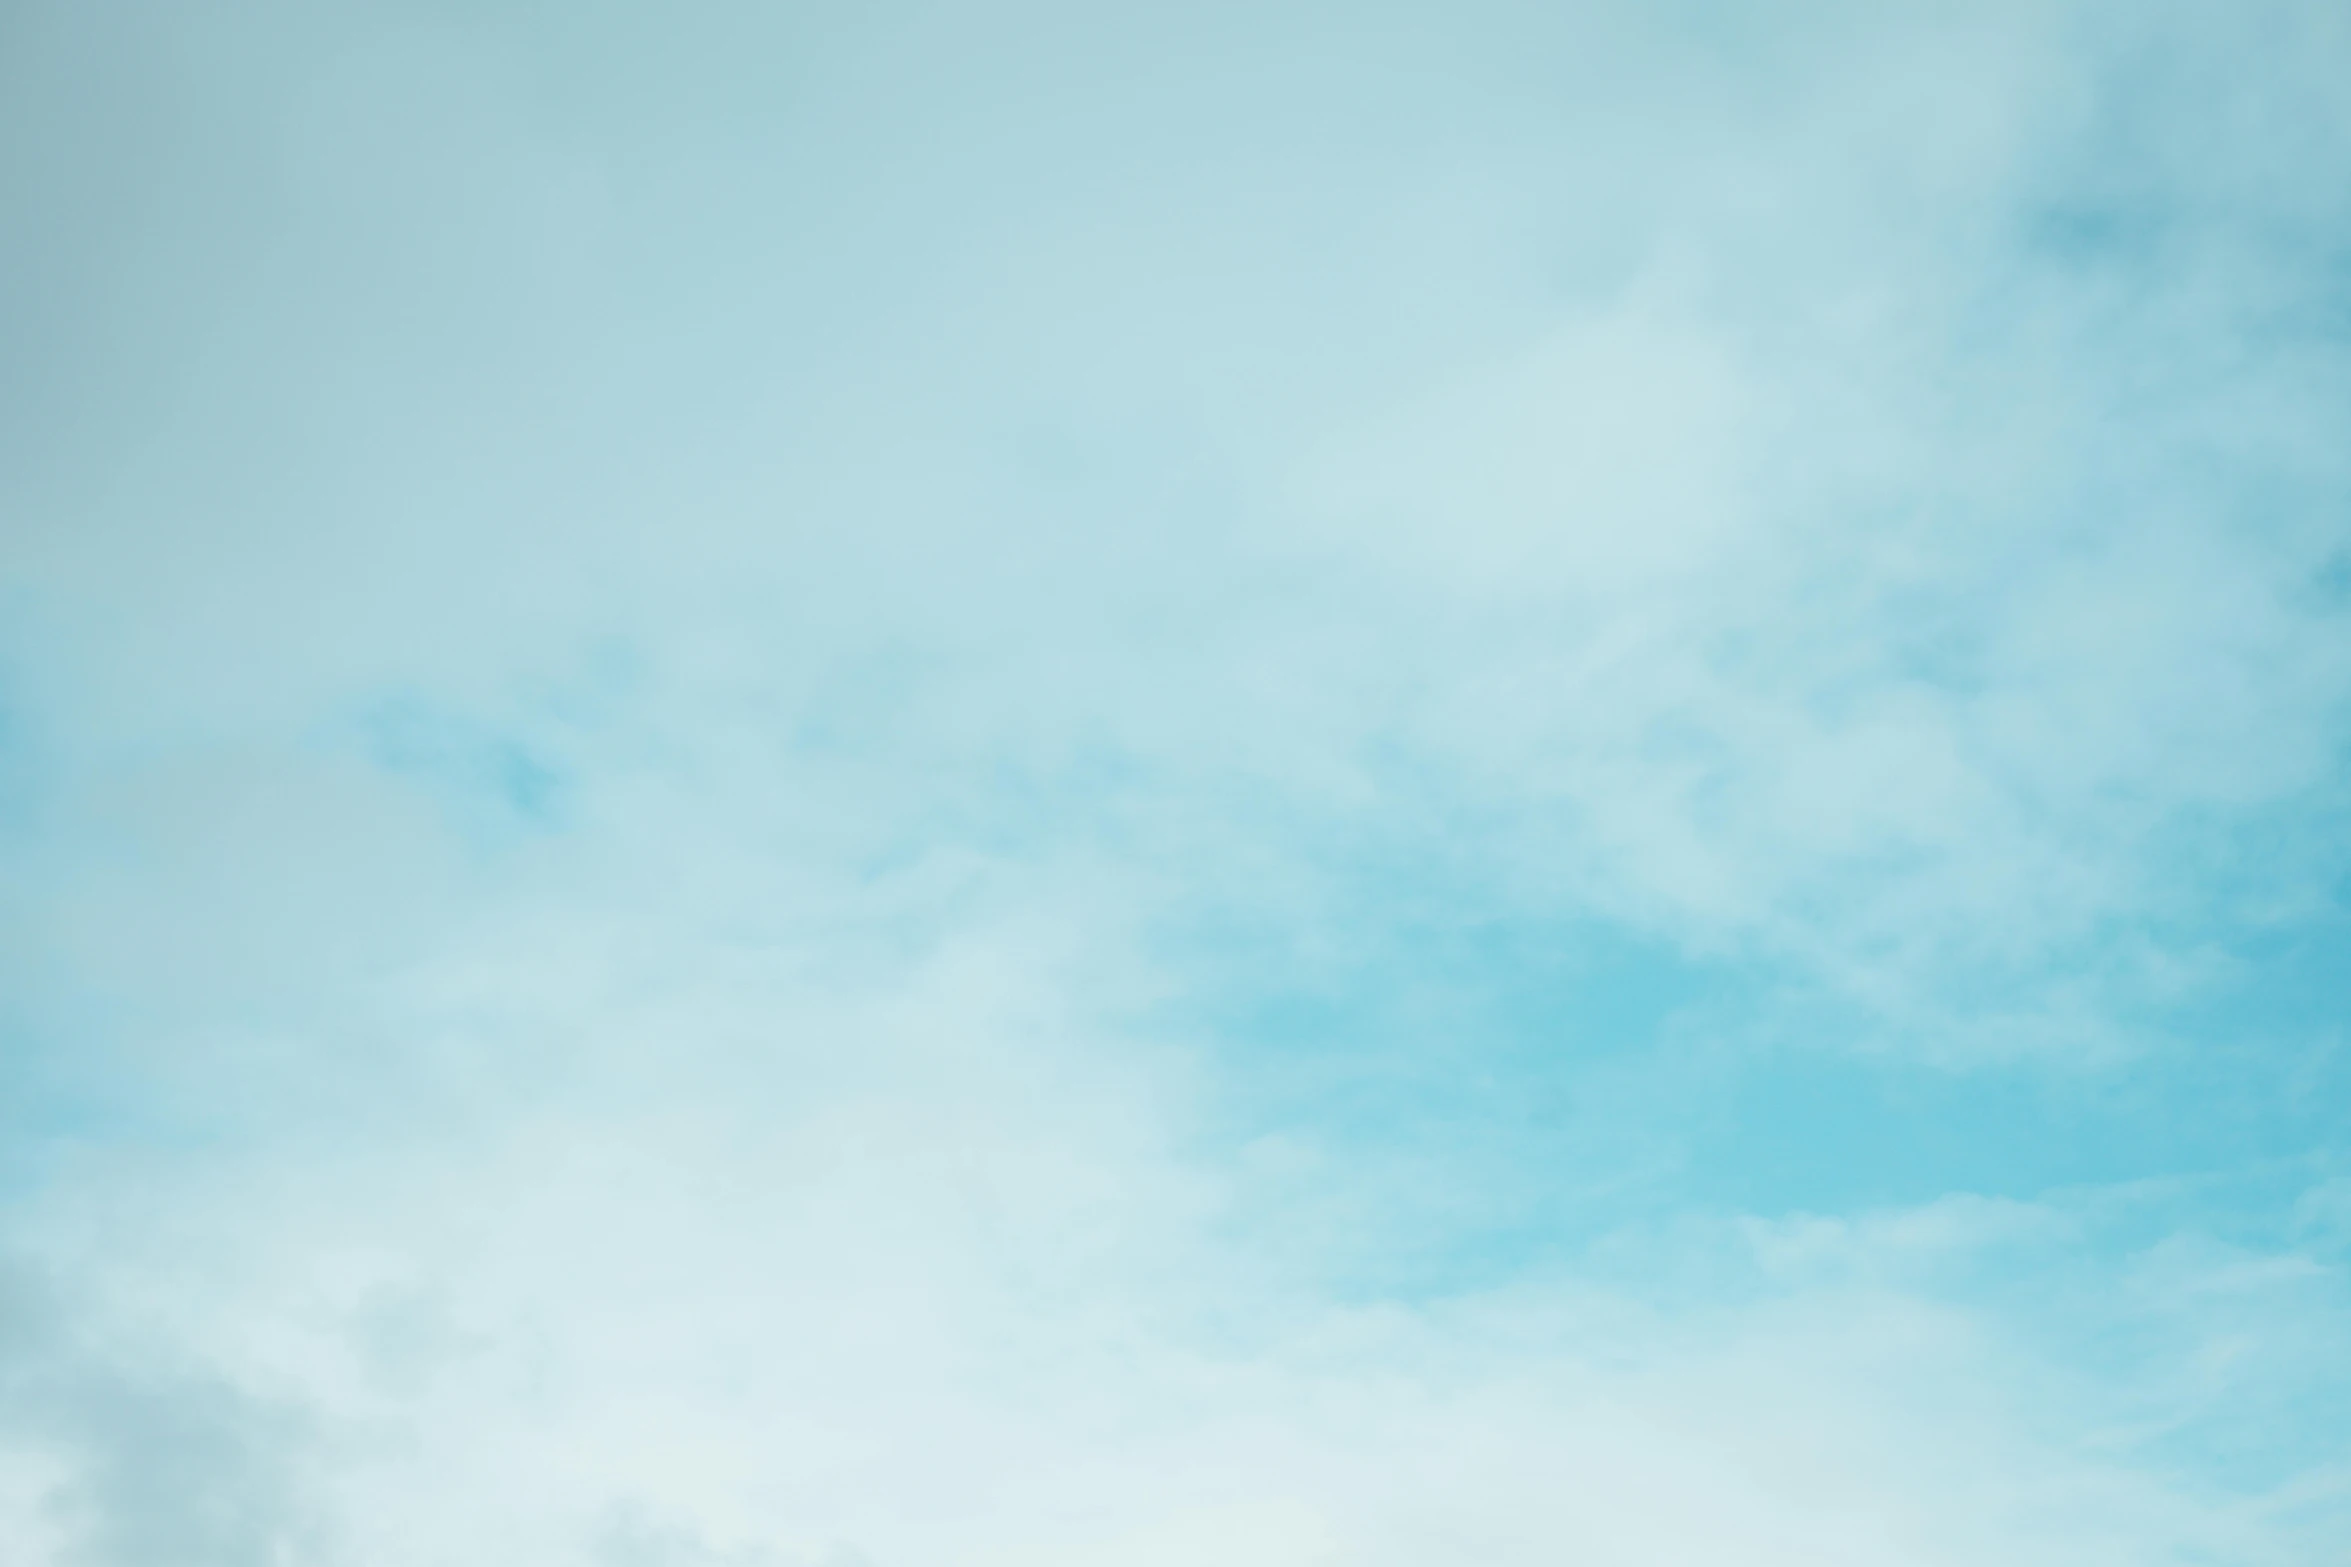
[1289, 785]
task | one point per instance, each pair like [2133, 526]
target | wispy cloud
[982, 784]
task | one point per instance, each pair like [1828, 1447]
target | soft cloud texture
[997, 784]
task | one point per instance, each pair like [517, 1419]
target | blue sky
[1305, 786]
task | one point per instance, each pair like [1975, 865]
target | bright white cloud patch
[978, 784]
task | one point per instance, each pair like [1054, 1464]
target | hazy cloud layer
[997, 784]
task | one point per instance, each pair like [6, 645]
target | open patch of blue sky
[1294, 785]
[495, 784]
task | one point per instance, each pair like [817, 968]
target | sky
[1005, 784]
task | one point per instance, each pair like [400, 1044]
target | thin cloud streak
[986, 785]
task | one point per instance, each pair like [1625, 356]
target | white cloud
[632, 640]
[783, 1337]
